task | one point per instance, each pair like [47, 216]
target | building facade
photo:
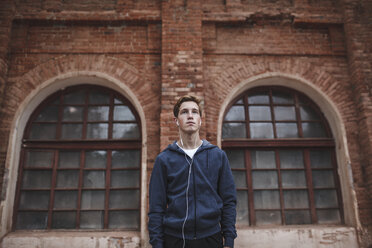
[87, 90]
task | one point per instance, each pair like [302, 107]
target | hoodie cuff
[229, 242]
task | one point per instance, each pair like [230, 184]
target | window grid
[83, 146]
[298, 120]
[312, 197]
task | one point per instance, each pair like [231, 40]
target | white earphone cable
[187, 193]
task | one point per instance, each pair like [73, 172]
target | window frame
[276, 144]
[82, 146]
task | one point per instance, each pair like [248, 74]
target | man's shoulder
[167, 152]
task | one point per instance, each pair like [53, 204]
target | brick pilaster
[358, 32]
[182, 62]
[7, 9]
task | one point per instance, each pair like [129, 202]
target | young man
[192, 192]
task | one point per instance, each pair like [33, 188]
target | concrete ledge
[46, 239]
[298, 236]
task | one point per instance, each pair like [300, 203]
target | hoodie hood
[205, 145]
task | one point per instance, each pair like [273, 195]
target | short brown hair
[187, 98]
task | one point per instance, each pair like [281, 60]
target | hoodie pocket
[176, 212]
[208, 212]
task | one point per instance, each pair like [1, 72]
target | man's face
[189, 117]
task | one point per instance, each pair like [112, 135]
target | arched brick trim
[332, 97]
[25, 93]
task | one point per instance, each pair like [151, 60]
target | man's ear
[177, 123]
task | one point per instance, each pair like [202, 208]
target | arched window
[282, 156]
[80, 163]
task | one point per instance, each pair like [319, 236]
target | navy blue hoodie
[211, 195]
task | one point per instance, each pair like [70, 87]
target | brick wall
[6, 16]
[165, 49]
[358, 29]
[181, 59]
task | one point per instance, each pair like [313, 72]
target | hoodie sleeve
[158, 204]
[227, 192]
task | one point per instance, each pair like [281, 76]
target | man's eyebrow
[189, 108]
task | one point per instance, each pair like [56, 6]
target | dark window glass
[80, 163]
[281, 155]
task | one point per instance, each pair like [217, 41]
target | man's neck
[189, 141]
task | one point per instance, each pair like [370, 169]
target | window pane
[124, 199]
[258, 98]
[91, 219]
[259, 113]
[236, 158]
[268, 218]
[64, 220]
[37, 200]
[69, 159]
[297, 217]
[67, 179]
[266, 199]
[97, 97]
[265, 179]
[124, 219]
[95, 159]
[240, 179]
[72, 113]
[123, 113]
[97, 131]
[118, 101]
[98, 113]
[32, 220]
[291, 159]
[76, 97]
[123, 179]
[94, 179]
[72, 131]
[233, 130]
[286, 130]
[293, 179]
[36, 179]
[261, 130]
[242, 211]
[65, 199]
[282, 98]
[320, 159]
[296, 199]
[325, 198]
[313, 130]
[39, 159]
[285, 113]
[126, 131]
[328, 216]
[43, 131]
[308, 114]
[263, 159]
[50, 114]
[236, 113]
[126, 159]
[323, 179]
[93, 199]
